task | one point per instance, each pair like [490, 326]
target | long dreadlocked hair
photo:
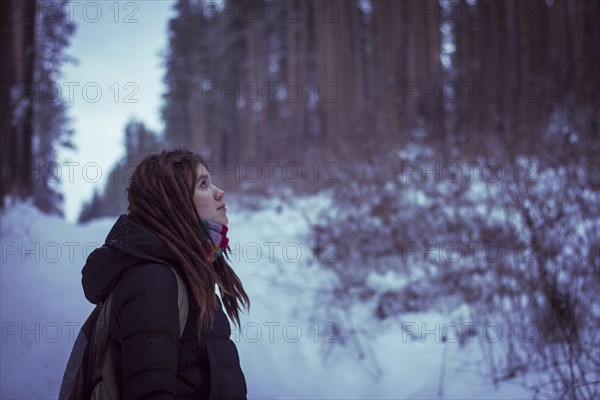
[160, 197]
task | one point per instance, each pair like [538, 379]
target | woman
[176, 219]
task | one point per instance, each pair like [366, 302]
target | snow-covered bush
[516, 242]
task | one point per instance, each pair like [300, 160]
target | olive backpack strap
[182, 302]
[108, 389]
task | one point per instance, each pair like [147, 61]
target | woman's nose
[219, 194]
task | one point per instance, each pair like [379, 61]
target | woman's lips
[222, 208]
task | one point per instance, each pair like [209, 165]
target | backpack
[89, 373]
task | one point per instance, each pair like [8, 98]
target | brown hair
[160, 197]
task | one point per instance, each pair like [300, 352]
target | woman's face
[208, 198]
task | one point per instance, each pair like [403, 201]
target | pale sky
[119, 76]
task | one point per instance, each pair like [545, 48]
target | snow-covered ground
[287, 342]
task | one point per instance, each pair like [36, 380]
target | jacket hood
[127, 244]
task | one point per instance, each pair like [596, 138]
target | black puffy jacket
[150, 359]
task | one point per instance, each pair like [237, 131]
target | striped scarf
[218, 235]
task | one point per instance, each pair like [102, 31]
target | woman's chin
[221, 219]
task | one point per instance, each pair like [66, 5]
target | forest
[458, 139]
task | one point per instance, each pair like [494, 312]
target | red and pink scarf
[218, 236]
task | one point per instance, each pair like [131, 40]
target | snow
[291, 343]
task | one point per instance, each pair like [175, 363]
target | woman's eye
[203, 184]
